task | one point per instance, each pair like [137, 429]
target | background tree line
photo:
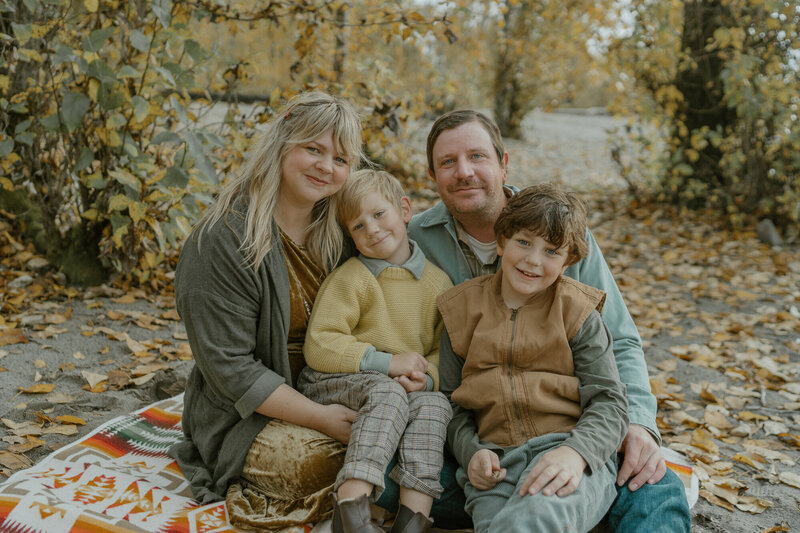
[111, 144]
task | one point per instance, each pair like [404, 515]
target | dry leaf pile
[126, 348]
[719, 315]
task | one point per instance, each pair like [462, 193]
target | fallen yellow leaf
[39, 388]
[66, 429]
[702, 439]
[69, 419]
[790, 478]
[12, 336]
[14, 461]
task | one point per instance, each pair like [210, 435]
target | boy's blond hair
[359, 185]
[557, 216]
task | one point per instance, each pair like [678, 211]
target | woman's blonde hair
[304, 118]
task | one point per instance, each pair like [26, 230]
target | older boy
[539, 409]
[373, 345]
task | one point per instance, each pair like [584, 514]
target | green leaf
[195, 50]
[108, 97]
[31, 5]
[22, 32]
[73, 108]
[126, 178]
[22, 126]
[95, 40]
[25, 138]
[118, 221]
[174, 177]
[119, 202]
[166, 137]
[140, 41]
[128, 72]
[63, 54]
[6, 146]
[95, 181]
[51, 122]
[140, 108]
[116, 121]
[84, 160]
[201, 161]
[166, 74]
[162, 9]
[101, 71]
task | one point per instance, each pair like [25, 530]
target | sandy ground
[93, 340]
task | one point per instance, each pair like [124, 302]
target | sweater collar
[415, 263]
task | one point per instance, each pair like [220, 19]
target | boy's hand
[558, 471]
[417, 381]
[406, 363]
[484, 470]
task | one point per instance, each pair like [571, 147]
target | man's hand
[558, 471]
[643, 459]
[484, 470]
[336, 421]
[415, 382]
[406, 363]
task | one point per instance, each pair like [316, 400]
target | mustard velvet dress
[290, 470]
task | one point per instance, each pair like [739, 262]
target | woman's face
[312, 171]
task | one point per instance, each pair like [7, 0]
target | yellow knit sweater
[394, 312]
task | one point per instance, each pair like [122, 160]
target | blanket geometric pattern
[118, 478]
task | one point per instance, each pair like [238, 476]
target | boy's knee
[430, 405]
[389, 391]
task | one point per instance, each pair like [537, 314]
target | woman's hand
[484, 470]
[404, 364]
[336, 421]
[558, 471]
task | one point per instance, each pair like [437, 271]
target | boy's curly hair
[557, 216]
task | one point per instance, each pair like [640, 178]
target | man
[467, 160]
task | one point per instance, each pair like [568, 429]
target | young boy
[372, 344]
[538, 406]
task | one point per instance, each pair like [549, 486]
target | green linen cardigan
[237, 320]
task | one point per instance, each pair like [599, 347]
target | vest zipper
[511, 376]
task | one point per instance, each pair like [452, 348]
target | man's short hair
[557, 216]
[454, 119]
[362, 182]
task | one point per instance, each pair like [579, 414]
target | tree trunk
[701, 85]
[509, 100]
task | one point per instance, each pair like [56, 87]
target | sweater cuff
[375, 360]
[643, 419]
[258, 392]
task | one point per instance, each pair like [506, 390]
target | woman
[245, 283]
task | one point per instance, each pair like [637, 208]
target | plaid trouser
[388, 419]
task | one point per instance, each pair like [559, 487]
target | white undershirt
[485, 251]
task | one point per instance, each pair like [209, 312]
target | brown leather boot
[407, 521]
[353, 516]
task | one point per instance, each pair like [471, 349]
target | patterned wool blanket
[119, 478]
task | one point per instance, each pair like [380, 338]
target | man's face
[468, 175]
